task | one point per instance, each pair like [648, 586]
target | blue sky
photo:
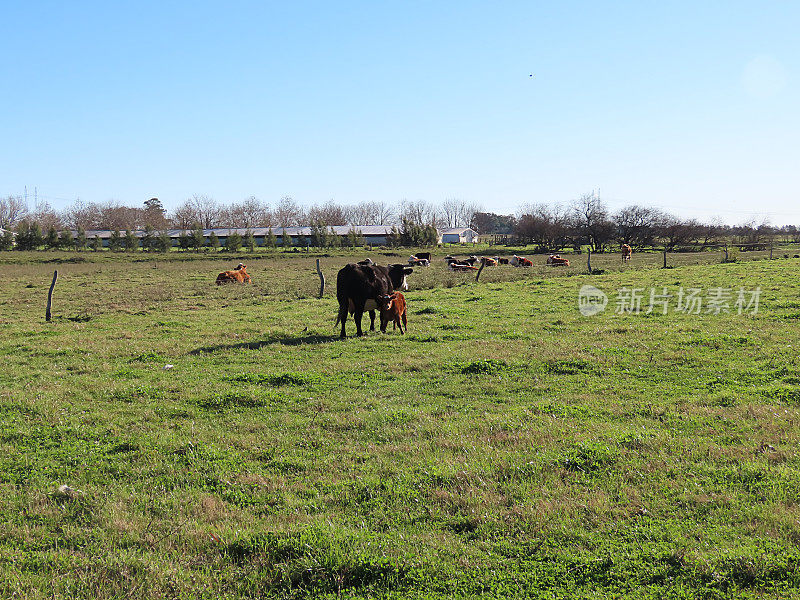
[692, 107]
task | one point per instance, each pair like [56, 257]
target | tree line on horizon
[586, 221]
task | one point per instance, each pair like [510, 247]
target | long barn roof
[366, 230]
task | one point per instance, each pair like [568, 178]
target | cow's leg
[372, 320]
[357, 314]
[384, 323]
[343, 317]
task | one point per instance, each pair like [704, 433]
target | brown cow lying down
[393, 308]
[490, 262]
[238, 275]
[502, 261]
[454, 266]
[555, 259]
[520, 261]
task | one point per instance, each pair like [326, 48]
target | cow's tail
[340, 316]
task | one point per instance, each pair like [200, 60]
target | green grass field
[507, 447]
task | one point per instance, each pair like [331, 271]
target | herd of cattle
[423, 259]
[366, 287]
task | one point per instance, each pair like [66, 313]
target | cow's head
[240, 266]
[385, 302]
[397, 274]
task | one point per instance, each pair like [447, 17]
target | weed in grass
[224, 400]
[148, 357]
[487, 366]
[569, 366]
[296, 379]
[589, 457]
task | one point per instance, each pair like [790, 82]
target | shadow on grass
[283, 340]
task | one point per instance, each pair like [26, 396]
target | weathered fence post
[589, 260]
[665, 259]
[770, 251]
[321, 280]
[50, 297]
[726, 252]
[483, 264]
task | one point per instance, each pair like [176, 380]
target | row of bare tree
[249, 213]
[585, 221]
[588, 221]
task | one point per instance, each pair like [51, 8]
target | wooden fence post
[321, 280]
[483, 264]
[726, 252]
[589, 260]
[50, 297]
[665, 259]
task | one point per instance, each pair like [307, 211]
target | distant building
[458, 235]
[374, 235]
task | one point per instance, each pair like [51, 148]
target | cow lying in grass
[455, 266]
[461, 264]
[520, 261]
[556, 260]
[238, 275]
[393, 308]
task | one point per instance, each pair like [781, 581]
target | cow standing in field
[238, 275]
[359, 288]
[626, 252]
[393, 308]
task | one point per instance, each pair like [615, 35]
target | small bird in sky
[531, 75]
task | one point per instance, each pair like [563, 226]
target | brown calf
[393, 308]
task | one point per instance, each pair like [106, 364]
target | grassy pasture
[506, 447]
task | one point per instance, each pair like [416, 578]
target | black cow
[359, 287]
